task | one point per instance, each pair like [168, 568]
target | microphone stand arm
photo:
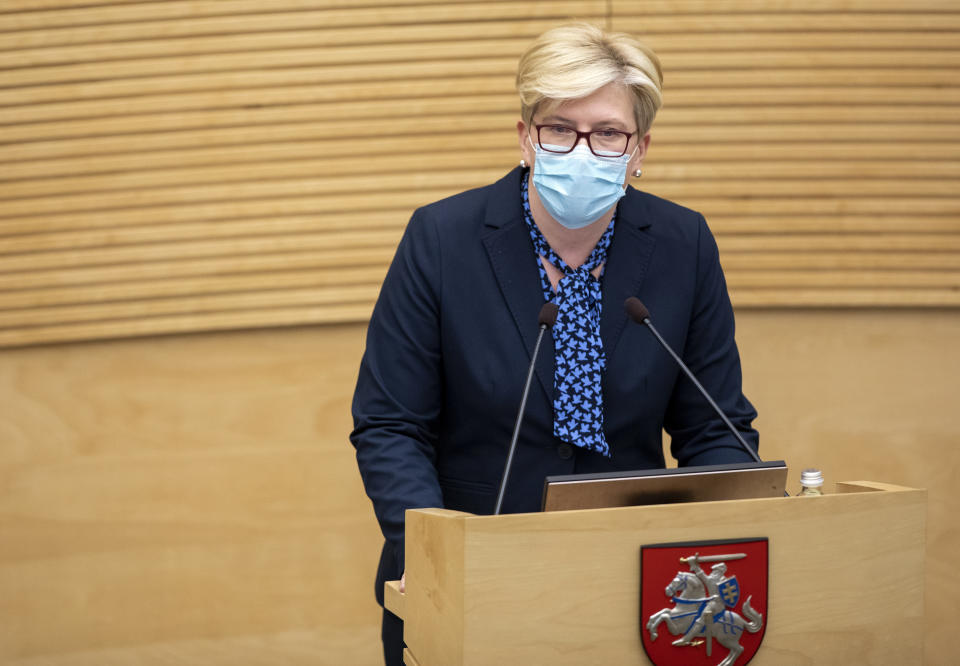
[716, 408]
[516, 427]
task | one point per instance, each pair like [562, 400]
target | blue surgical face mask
[578, 187]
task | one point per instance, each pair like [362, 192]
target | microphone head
[636, 309]
[548, 315]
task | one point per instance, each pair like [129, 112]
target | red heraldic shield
[703, 603]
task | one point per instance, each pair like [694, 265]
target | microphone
[546, 319]
[639, 313]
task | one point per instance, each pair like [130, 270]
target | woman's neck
[572, 245]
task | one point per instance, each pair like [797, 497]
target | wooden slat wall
[187, 166]
[819, 137]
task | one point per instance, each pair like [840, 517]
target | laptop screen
[665, 486]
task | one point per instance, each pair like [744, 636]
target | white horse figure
[688, 592]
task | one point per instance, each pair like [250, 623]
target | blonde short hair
[575, 60]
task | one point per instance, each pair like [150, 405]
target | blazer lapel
[511, 256]
[627, 263]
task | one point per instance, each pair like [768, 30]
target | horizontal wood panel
[64, 31]
[711, 44]
[387, 239]
[306, 112]
[224, 69]
[909, 206]
[456, 180]
[332, 84]
[621, 8]
[733, 23]
[252, 126]
[902, 242]
[786, 22]
[741, 210]
[309, 65]
[745, 298]
[377, 35]
[190, 164]
[226, 100]
[132, 254]
[820, 58]
[440, 134]
[73, 12]
[925, 159]
[119, 236]
[766, 259]
[196, 305]
[463, 116]
[845, 298]
[827, 279]
[872, 260]
[34, 5]
[66, 12]
[840, 223]
[190, 323]
[266, 263]
[174, 285]
[800, 77]
[149, 54]
[656, 174]
[332, 186]
[391, 221]
[268, 78]
[837, 97]
[106, 155]
[195, 7]
[158, 270]
[210, 13]
[257, 171]
[220, 210]
[344, 153]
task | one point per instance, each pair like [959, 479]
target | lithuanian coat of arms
[709, 596]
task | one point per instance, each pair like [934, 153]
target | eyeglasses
[602, 143]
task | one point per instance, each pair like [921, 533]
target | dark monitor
[665, 486]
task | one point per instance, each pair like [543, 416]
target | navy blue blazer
[453, 332]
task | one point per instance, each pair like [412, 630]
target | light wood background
[201, 168]
[194, 499]
[190, 165]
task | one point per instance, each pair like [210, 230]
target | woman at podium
[453, 330]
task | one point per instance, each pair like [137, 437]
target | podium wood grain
[846, 573]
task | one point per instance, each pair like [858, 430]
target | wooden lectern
[845, 579]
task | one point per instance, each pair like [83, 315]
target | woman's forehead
[605, 105]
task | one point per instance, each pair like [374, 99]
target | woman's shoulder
[662, 217]
[472, 207]
[658, 207]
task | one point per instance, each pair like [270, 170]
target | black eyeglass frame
[587, 136]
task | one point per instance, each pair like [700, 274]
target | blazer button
[565, 451]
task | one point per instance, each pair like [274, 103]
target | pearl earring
[523, 164]
[637, 173]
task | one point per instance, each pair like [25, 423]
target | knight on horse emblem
[703, 610]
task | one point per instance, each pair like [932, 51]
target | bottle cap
[811, 478]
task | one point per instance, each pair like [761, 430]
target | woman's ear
[636, 162]
[526, 152]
